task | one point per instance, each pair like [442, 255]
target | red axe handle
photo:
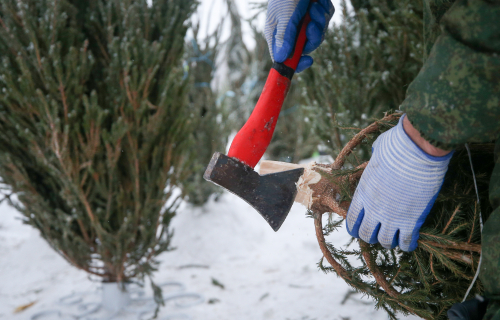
[252, 140]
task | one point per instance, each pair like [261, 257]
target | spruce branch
[358, 139]
[372, 266]
[326, 253]
[451, 219]
[446, 244]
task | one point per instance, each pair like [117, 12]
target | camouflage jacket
[456, 99]
[456, 96]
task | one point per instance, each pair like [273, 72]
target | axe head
[272, 195]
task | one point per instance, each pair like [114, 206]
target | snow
[265, 275]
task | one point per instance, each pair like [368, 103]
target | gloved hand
[282, 21]
[473, 309]
[396, 192]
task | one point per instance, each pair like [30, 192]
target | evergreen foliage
[94, 126]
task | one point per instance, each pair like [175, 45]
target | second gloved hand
[396, 191]
[282, 22]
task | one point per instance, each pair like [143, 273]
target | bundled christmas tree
[362, 69]
[95, 129]
[424, 282]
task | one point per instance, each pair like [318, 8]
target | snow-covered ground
[262, 274]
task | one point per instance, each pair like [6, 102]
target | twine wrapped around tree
[427, 281]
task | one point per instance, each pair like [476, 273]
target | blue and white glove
[282, 21]
[396, 192]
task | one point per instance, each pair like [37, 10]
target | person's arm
[456, 96]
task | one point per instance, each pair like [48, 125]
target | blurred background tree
[363, 68]
[208, 115]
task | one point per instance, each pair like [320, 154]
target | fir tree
[94, 126]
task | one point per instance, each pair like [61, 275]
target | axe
[272, 195]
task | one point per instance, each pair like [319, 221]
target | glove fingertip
[282, 53]
[315, 36]
[302, 7]
[412, 247]
[374, 237]
[354, 229]
[314, 33]
[395, 240]
[408, 241]
[304, 63]
[413, 244]
[327, 6]
[317, 14]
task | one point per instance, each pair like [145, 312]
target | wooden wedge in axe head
[272, 195]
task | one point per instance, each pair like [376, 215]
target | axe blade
[272, 195]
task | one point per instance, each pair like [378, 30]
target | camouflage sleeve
[456, 96]
[490, 238]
